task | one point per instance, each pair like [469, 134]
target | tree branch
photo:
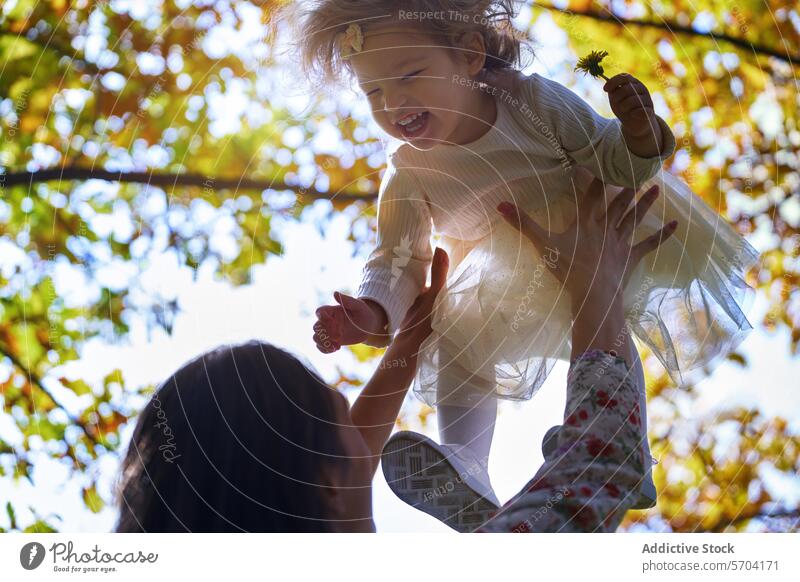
[783, 513]
[34, 379]
[51, 45]
[72, 173]
[610, 17]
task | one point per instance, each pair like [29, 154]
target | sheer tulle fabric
[503, 320]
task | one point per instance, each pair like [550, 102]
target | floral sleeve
[590, 480]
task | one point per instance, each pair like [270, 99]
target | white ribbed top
[527, 157]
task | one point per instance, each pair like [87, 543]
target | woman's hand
[416, 325]
[595, 251]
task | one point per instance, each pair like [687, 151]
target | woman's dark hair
[233, 441]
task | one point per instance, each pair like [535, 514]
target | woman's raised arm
[375, 410]
[589, 480]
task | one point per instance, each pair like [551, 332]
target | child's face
[416, 88]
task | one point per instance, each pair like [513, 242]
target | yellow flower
[590, 64]
[352, 41]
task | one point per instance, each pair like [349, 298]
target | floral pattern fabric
[592, 477]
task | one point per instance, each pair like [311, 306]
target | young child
[441, 78]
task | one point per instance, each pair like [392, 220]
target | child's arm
[631, 103]
[376, 408]
[605, 146]
[396, 270]
[393, 276]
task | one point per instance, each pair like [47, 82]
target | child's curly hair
[319, 22]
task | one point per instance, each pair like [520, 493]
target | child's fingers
[327, 331]
[324, 322]
[346, 301]
[617, 81]
[328, 348]
[330, 315]
[326, 312]
[633, 102]
[325, 344]
[628, 90]
[320, 337]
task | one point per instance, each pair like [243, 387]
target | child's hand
[344, 324]
[631, 103]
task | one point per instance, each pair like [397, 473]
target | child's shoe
[448, 482]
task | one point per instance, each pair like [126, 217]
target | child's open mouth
[413, 125]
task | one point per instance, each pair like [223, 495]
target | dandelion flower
[590, 64]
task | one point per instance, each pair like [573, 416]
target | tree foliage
[116, 113]
[727, 74]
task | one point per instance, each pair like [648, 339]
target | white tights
[467, 408]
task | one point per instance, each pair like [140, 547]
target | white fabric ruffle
[505, 320]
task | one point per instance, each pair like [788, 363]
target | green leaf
[79, 387]
[12, 516]
[92, 499]
[40, 526]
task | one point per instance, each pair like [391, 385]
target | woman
[247, 438]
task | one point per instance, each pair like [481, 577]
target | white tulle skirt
[503, 320]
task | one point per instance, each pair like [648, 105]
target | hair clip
[352, 41]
